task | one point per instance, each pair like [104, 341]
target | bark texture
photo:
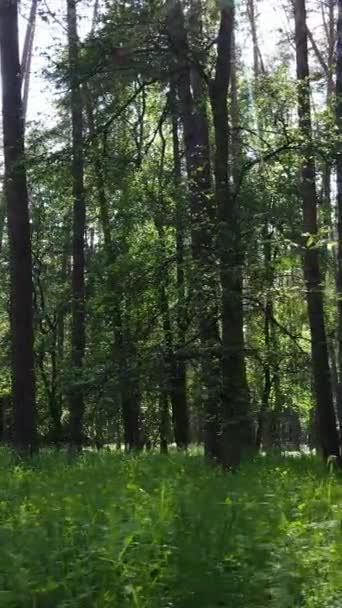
[326, 420]
[202, 210]
[237, 433]
[23, 377]
[339, 197]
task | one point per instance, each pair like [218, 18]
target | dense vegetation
[174, 241]
[161, 531]
[171, 268]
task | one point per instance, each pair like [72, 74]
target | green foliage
[151, 531]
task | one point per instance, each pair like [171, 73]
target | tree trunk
[79, 220]
[164, 420]
[27, 56]
[339, 198]
[333, 361]
[23, 377]
[268, 315]
[182, 416]
[258, 63]
[267, 244]
[237, 424]
[175, 383]
[204, 281]
[2, 219]
[327, 430]
[235, 134]
[126, 355]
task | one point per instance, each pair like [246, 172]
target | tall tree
[326, 421]
[78, 238]
[181, 411]
[259, 70]
[339, 194]
[21, 315]
[202, 210]
[237, 424]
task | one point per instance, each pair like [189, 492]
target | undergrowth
[167, 531]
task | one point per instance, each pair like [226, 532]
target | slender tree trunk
[27, 55]
[328, 219]
[204, 280]
[99, 175]
[55, 400]
[236, 146]
[64, 278]
[331, 47]
[78, 241]
[328, 436]
[130, 395]
[268, 315]
[174, 381]
[2, 219]
[25, 58]
[257, 57]
[333, 358]
[267, 243]
[23, 377]
[339, 198]
[237, 424]
[164, 420]
[180, 413]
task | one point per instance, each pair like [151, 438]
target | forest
[171, 304]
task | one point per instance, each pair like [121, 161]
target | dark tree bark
[327, 430]
[175, 339]
[23, 377]
[2, 219]
[339, 199]
[237, 431]
[78, 238]
[202, 207]
[164, 420]
[174, 381]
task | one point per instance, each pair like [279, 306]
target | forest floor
[167, 531]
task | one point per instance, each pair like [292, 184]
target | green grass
[162, 532]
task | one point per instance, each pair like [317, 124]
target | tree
[21, 315]
[339, 193]
[202, 209]
[180, 411]
[78, 238]
[27, 55]
[326, 421]
[237, 432]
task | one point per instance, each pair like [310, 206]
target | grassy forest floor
[162, 531]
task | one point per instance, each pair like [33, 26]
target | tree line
[174, 242]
